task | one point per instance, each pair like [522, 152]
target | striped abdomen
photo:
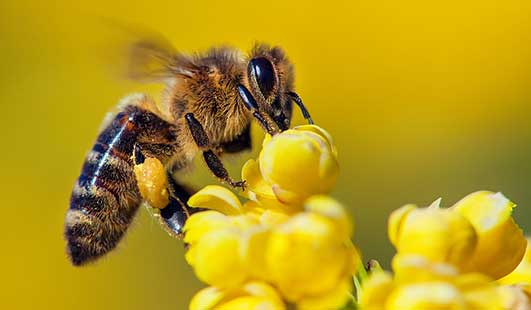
[105, 198]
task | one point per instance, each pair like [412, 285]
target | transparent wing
[144, 55]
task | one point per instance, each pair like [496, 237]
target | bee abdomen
[105, 197]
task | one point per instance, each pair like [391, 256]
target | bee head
[270, 78]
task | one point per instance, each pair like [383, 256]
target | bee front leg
[212, 160]
[251, 105]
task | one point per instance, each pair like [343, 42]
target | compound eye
[262, 70]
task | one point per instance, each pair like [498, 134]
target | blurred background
[424, 99]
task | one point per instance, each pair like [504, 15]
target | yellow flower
[375, 291]
[429, 295]
[437, 234]
[293, 166]
[416, 268]
[288, 234]
[257, 188]
[202, 223]
[332, 210]
[269, 245]
[215, 197]
[215, 247]
[308, 242]
[501, 243]
[218, 259]
[251, 296]
[212, 234]
[333, 299]
[421, 284]
[522, 273]
[516, 297]
[477, 234]
[449, 258]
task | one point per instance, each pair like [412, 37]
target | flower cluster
[451, 258]
[288, 245]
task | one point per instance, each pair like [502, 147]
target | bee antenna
[298, 101]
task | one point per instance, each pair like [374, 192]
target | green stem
[360, 277]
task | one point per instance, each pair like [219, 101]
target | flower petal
[251, 296]
[253, 249]
[440, 235]
[261, 289]
[332, 209]
[257, 187]
[321, 132]
[298, 164]
[376, 290]
[202, 223]
[206, 299]
[215, 197]
[217, 259]
[430, 295]
[396, 219]
[416, 268]
[522, 273]
[333, 299]
[501, 243]
[300, 246]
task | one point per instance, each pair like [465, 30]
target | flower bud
[438, 234]
[301, 246]
[251, 296]
[215, 197]
[501, 243]
[429, 295]
[298, 163]
[376, 289]
[217, 259]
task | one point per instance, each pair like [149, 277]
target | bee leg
[212, 160]
[293, 96]
[251, 105]
[160, 151]
[216, 166]
[174, 216]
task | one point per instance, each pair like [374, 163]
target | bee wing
[145, 55]
[151, 59]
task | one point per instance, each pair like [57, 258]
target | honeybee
[208, 104]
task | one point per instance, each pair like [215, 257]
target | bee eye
[262, 70]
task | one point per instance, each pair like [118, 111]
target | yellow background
[425, 99]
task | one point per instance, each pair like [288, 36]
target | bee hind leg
[174, 216]
[160, 151]
[211, 158]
